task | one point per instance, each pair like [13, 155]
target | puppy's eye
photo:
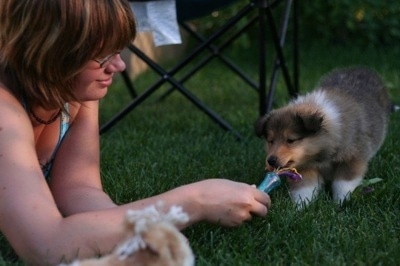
[290, 141]
[270, 142]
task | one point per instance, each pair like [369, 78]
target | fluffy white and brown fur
[330, 134]
[152, 239]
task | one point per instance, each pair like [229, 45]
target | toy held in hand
[272, 180]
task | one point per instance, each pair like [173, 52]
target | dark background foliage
[371, 22]
[360, 22]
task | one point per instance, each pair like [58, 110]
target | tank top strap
[64, 121]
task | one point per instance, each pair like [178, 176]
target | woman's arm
[91, 225]
[77, 187]
[29, 217]
[75, 176]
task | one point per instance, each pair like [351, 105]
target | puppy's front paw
[342, 189]
[302, 196]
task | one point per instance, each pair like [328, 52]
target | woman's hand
[226, 202]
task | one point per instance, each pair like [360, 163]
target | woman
[57, 60]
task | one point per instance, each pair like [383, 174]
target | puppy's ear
[260, 125]
[310, 122]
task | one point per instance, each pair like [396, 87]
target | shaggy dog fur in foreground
[152, 239]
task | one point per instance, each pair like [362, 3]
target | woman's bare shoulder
[13, 116]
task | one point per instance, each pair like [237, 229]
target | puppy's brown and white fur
[329, 134]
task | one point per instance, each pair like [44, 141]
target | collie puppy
[328, 135]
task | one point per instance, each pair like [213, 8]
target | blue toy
[272, 180]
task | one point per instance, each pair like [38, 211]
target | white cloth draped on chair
[158, 17]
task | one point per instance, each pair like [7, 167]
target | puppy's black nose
[273, 161]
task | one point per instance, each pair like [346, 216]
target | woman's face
[93, 82]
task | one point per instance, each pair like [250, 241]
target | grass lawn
[162, 145]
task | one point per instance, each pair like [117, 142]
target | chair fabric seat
[192, 9]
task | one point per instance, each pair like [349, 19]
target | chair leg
[263, 18]
[262, 68]
[279, 62]
[128, 83]
[216, 52]
[166, 78]
[265, 14]
[296, 47]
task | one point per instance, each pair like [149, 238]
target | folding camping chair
[259, 13]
